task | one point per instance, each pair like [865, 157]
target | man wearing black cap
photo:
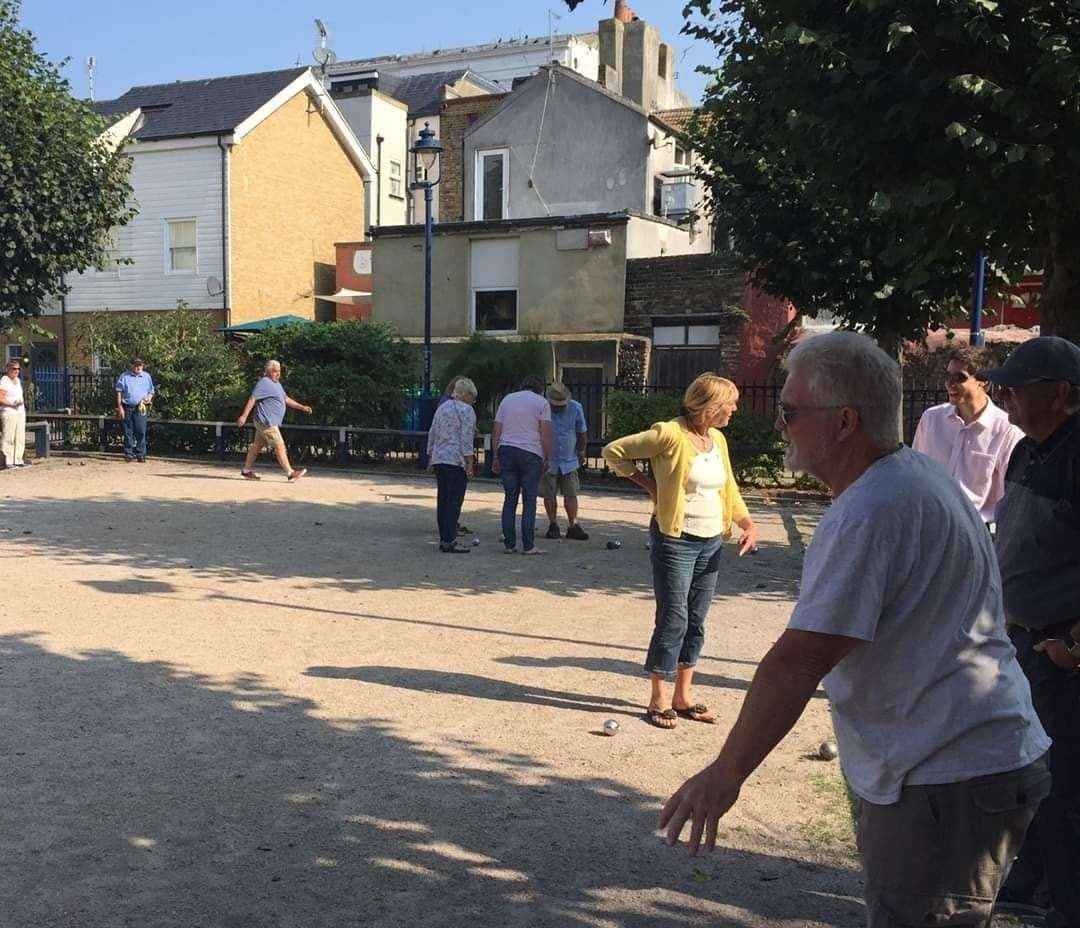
[1038, 549]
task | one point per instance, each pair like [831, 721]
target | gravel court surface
[226, 703]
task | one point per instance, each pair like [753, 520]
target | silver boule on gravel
[828, 750]
[611, 727]
[475, 542]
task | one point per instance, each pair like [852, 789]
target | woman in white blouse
[451, 453]
[12, 416]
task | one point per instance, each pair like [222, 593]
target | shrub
[196, 375]
[353, 373]
[496, 367]
[628, 413]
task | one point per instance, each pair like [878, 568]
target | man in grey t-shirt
[269, 400]
[900, 614]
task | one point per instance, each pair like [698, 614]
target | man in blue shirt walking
[134, 394]
[269, 401]
[569, 433]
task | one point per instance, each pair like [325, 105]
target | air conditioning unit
[677, 199]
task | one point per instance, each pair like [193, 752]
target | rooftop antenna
[323, 56]
[91, 63]
[552, 18]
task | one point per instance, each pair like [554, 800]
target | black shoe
[454, 549]
[142, 458]
[462, 530]
[128, 458]
[553, 531]
[577, 533]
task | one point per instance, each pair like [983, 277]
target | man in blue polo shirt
[269, 401]
[134, 394]
[569, 435]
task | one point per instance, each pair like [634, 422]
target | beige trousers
[12, 435]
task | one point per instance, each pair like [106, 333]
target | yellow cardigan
[668, 448]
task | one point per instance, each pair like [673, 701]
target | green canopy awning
[261, 325]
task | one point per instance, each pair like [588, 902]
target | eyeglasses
[786, 412]
[957, 378]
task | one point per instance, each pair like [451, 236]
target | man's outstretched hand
[702, 800]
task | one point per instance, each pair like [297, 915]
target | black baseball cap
[1044, 358]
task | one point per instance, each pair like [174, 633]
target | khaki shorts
[566, 484]
[267, 436]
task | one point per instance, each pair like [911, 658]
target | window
[180, 250]
[395, 180]
[662, 61]
[682, 155]
[493, 277]
[14, 352]
[658, 196]
[492, 183]
[681, 335]
[496, 310]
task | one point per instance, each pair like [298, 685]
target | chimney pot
[623, 13]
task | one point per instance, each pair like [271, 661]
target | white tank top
[704, 512]
[13, 390]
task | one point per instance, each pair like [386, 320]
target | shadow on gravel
[374, 544]
[138, 793]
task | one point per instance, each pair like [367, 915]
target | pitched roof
[202, 107]
[423, 93]
[679, 119]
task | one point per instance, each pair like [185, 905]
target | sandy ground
[227, 703]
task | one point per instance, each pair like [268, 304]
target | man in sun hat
[569, 434]
[1038, 550]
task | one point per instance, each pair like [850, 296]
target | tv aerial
[323, 56]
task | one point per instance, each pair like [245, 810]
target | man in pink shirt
[521, 452]
[970, 436]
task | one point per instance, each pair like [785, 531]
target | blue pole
[427, 400]
[427, 291]
[978, 339]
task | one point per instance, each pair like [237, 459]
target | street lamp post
[427, 149]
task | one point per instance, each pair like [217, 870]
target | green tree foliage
[61, 188]
[861, 153]
[197, 376]
[496, 367]
[353, 373]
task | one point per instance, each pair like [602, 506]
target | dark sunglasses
[786, 413]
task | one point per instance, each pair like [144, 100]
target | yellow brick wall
[293, 193]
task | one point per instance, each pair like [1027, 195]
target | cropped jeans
[685, 571]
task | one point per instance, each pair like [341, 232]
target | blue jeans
[520, 477]
[134, 432]
[685, 571]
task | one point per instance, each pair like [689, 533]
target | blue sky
[150, 42]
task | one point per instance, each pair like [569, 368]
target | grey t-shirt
[903, 562]
[269, 396]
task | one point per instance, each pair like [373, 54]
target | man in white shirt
[12, 417]
[900, 615]
[969, 436]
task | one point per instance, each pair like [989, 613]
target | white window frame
[167, 254]
[396, 180]
[14, 353]
[478, 182]
[517, 310]
[579, 366]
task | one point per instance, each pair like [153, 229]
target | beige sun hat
[558, 394]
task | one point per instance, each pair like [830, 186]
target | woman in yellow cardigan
[695, 503]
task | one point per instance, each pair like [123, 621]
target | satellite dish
[323, 56]
[214, 286]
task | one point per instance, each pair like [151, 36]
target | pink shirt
[976, 454]
[520, 415]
